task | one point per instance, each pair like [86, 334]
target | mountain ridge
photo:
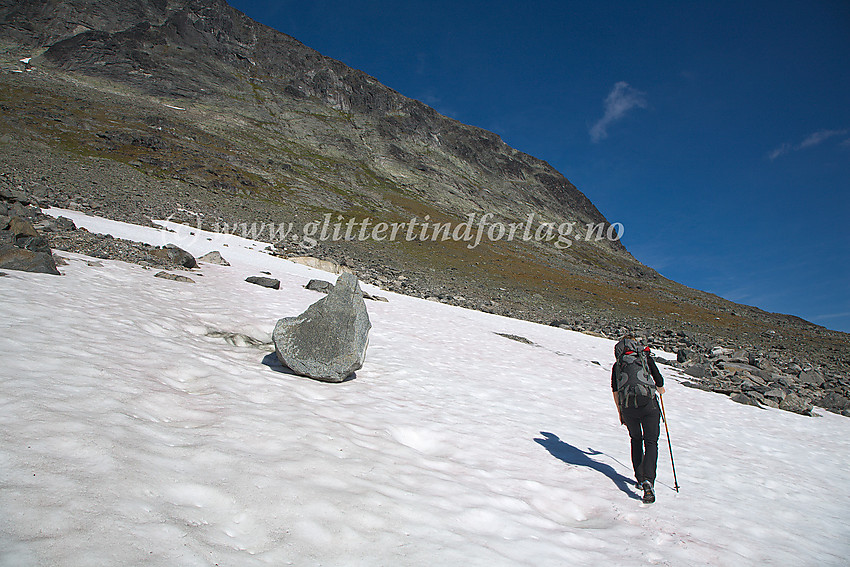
[238, 45]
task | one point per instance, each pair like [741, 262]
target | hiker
[634, 380]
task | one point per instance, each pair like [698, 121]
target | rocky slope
[190, 110]
[312, 122]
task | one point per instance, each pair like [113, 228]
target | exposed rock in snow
[328, 341]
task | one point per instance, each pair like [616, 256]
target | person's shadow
[575, 456]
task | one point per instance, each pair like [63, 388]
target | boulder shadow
[575, 456]
[272, 361]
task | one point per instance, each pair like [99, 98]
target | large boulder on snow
[175, 255]
[14, 258]
[214, 257]
[328, 341]
[23, 248]
[319, 285]
[271, 283]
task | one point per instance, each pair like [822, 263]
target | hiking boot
[648, 492]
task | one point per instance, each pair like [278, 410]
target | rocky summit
[190, 111]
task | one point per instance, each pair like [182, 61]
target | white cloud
[780, 151]
[813, 139]
[819, 137]
[618, 103]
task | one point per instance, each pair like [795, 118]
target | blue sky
[717, 132]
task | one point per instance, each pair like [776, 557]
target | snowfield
[139, 426]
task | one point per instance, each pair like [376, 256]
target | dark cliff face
[44, 22]
[202, 49]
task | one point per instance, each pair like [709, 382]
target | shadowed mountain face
[208, 53]
[189, 109]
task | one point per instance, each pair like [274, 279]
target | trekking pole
[669, 445]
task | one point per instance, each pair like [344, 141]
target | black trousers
[644, 424]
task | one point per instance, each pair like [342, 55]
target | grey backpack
[635, 384]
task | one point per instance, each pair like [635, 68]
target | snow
[131, 434]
